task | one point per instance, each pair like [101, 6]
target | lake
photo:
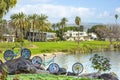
[67, 60]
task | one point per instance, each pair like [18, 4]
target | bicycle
[10, 53]
[53, 67]
[77, 68]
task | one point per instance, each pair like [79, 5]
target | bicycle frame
[11, 54]
[48, 62]
[16, 53]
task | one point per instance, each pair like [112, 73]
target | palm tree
[58, 25]
[3, 28]
[19, 21]
[5, 5]
[63, 24]
[78, 21]
[33, 21]
[116, 17]
[54, 26]
[43, 25]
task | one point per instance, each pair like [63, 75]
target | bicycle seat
[44, 55]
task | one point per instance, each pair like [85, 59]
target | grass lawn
[44, 77]
[61, 46]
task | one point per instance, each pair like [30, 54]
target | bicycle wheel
[36, 61]
[77, 68]
[26, 53]
[8, 55]
[53, 68]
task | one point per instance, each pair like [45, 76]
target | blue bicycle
[53, 67]
[10, 54]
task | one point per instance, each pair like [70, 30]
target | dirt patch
[32, 46]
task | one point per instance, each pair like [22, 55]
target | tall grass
[64, 46]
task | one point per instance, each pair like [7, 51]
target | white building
[8, 38]
[93, 36]
[50, 36]
[75, 35]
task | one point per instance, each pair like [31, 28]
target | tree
[44, 25]
[100, 63]
[58, 25]
[78, 21]
[58, 31]
[54, 26]
[5, 5]
[81, 28]
[19, 21]
[3, 28]
[33, 23]
[94, 28]
[116, 17]
[63, 24]
[110, 32]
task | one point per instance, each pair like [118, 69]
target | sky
[90, 11]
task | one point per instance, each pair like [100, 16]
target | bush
[100, 63]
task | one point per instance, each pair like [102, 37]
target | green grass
[44, 77]
[61, 46]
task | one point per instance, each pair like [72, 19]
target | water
[67, 60]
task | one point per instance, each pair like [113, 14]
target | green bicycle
[53, 67]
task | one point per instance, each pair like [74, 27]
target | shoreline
[48, 54]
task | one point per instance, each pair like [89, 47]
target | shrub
[100, 63]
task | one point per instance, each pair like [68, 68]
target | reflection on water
[67, 60]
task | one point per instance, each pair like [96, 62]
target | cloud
[33, 1]
[54, 11]
[105, 14]
[117, 10]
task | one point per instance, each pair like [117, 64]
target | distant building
[8, 38]
[75, 35]
[93, 36]
[39, 36]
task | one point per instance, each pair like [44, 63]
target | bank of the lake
[59, 46]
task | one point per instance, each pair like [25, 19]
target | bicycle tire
[37, 61]
[25, 53]
[8, 55]
[53, 68]
[77, 68]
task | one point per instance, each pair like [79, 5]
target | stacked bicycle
[38, 62]
[10, 54]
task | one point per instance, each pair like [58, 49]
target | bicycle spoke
[53, 68]
[77, 68]
[8, 55]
